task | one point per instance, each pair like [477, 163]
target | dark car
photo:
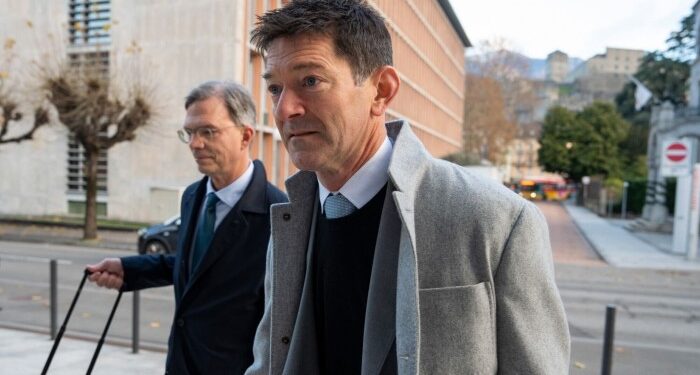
[159, 238]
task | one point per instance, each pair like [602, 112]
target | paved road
[24, 294]
[658, 312]
[569, 246]
[658, 322]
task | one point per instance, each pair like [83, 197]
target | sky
[580, 28]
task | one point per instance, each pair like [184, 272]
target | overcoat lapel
[409, 161]
[190, 210]
[303, 349]
[291, 223]
[380, 317]
[234, 226]
[407, 308]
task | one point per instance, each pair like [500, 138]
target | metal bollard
[135, 323]
[623, 213]
[608, 340]
[53, 271]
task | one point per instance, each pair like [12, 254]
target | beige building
[522, 153]
[178, 44]
[619, 61]
[601, 78]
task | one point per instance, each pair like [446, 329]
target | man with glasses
[219, 267]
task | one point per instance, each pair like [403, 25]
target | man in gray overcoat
[386, 260]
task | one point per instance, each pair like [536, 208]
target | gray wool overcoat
[462, 280]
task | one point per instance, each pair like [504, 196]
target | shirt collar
[231, 194]
[367, 181]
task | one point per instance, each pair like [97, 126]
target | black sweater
[343, 255]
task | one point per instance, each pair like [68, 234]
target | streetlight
[585, 180]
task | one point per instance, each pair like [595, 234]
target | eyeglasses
[187, 135]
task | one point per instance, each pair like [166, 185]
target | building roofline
[456, 25]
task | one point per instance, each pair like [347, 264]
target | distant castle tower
[557, 66]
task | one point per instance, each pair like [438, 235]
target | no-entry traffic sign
[676, 158]
[676, 152]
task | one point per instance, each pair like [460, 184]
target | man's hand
[109, 273]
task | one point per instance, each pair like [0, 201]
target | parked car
[159, 238]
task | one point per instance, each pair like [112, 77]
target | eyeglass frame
[204, 132]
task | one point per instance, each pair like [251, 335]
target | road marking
[637, 345]
[72, 288]
[61, 247]
[22, 258]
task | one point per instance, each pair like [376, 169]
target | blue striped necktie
[205, 231]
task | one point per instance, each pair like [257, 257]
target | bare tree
[487, 129]
[10, 112]
[500, 62]
[98, 114]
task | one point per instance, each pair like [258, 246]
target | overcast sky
[581, 28]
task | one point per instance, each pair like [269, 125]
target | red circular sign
[676, 152]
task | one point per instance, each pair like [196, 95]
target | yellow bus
[543, 188]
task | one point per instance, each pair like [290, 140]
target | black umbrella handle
[65, 322]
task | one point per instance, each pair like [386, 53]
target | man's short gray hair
[236, 98]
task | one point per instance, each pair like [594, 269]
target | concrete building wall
[177, 44]
[32, 174]
[183, 43]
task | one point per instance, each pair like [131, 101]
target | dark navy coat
[217, 309]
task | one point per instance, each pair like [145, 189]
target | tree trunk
[90, 228]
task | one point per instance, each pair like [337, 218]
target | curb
[70, 242]
[50, 223]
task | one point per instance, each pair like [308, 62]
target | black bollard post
[608, 342]
[53, 270]
[135, 324]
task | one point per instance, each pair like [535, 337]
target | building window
[89, 33]
[89, 22]
[77, 181]
[97, 60]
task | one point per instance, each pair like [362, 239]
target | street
[24, 294]
[657, 328]
[658, 312]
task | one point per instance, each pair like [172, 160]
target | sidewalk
[110, 239]
[622, 248]
[24, 352]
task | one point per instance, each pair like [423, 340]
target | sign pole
[681, 215]
[677, 161]
[694, 214]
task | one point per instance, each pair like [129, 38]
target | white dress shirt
[228, 196]
[367, 181]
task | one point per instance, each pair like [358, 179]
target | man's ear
[386, 80]
[248, 133]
